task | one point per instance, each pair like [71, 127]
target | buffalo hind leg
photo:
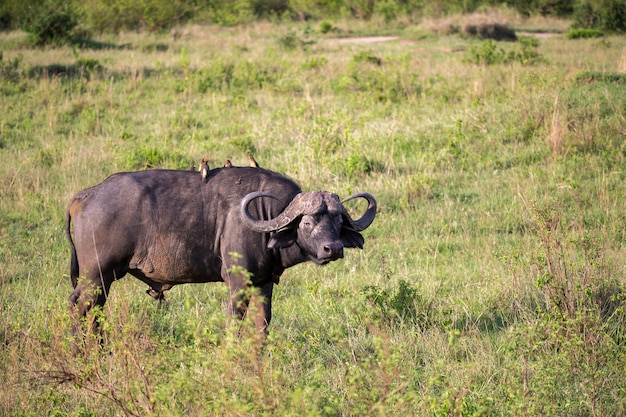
[88, 293]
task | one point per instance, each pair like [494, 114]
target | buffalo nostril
[332, 250]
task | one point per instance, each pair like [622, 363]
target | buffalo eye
[307, 223]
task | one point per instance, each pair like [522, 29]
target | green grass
[492, 279]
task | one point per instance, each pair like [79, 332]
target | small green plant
[289, 40]
[489, 53]
[405, 303]
[486, 53]
[9, 70]
[326, 26]
[88, 65]
[315, 62]
[583, 33]
[367, 57]
[525, 51]
[185, 61]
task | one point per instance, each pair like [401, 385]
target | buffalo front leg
[263, 307]
[245, 301]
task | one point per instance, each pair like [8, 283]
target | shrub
[571, 348]
[153, 15]
[392, 304]
[609, 15]
[488, 53]
[367, 56]
[289, 40]
[13, 13]
[326, 26]
[388, 9]
[296, 39]
[543, 7]
[51, 26]
[9, 70]
[525, 51]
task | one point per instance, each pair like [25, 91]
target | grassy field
[492, 281]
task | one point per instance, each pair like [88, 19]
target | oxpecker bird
[228, 164]
[204, 169]
[253, 162]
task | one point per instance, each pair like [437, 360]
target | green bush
[152, 15]
[544, 7]
[488, 53]
[326, 26]
[609, 15]
[229, 13]
[525, 51]
[51, 26]
[9, 70]
[391, 304]
[14, 13]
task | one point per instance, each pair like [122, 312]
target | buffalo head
[317, 222]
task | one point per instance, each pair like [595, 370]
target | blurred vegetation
[51, 21]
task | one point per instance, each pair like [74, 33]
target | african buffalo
[169, 227]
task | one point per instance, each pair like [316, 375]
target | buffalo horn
[265, 226]
[367, 218]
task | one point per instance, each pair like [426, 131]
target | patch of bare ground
[368, 39]
[539, 35]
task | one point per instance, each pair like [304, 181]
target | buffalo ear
[351, 238]
[283, 239]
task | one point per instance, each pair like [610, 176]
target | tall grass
[490, 283]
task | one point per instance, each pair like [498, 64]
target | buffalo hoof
[157, 295]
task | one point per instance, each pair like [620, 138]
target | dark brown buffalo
[170, 227]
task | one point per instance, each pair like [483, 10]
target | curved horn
[265, 226]
[367, 218]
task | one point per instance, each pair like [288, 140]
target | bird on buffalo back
[204, 168]
[253, 162]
